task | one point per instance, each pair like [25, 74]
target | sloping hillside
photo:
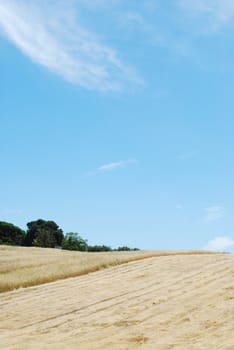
[24, 267]
[169, 302]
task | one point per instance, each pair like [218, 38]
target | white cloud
[214, 213]
[115, 165]
[135, 20]
[220, 243]
[48, 33]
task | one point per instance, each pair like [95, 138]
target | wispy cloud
[221, 243]
[48, 33]
[214, 213]
[135, 20]
[115, 165]
[219, 11]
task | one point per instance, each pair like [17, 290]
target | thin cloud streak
[214, 213]
[220, 11]
[115, 165]
[49, 35]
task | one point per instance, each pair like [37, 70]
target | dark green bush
[11, 234]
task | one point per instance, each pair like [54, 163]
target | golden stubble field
[177, 301]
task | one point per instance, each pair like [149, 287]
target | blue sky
[117, 119]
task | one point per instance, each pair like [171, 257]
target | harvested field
[180, 302]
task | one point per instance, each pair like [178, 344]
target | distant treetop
[11, 234]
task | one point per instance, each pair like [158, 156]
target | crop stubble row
[171, 302]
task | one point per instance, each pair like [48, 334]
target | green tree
[42, 233]
[44, 238]
[73, 241]
[126, 248]
[99, 248]
[11, 234]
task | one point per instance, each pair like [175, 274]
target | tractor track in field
[160, 303]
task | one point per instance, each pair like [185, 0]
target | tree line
[47, 234]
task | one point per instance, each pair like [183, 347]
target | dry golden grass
[179, 302]
[24, 267]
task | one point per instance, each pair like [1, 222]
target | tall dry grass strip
[24, 267]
